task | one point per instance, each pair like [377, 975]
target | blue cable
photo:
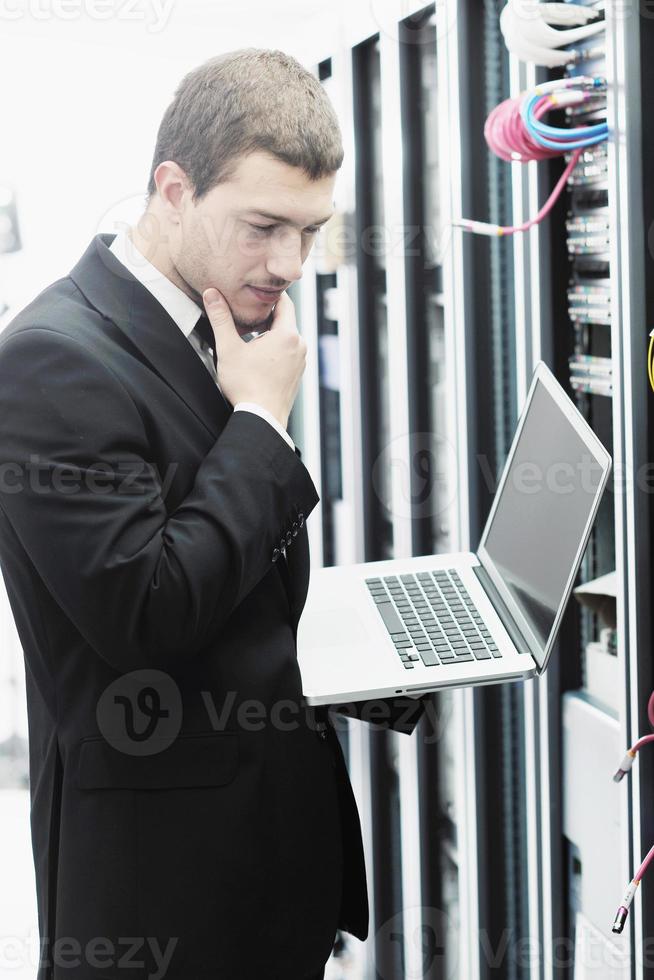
[581, 131]
[567, 139]
[550, 144]
[567, 134]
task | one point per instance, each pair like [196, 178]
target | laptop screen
[544, 507]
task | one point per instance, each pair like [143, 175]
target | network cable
[621, 772]
[552, 136]
[535, 32]
[513, 132]
[650, 360]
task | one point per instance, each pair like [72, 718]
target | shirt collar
[183, 310]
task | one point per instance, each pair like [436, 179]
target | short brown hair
[243, 101]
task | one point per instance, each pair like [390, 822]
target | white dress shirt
[185, 312]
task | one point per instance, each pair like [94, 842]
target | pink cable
[641, 741]
[646, 739]
[507, 137]
[650, 709]
[646, 862]
[649, 857]
[551, 200]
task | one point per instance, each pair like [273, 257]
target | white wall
[83, 95]
[82, 98]
[81, 102]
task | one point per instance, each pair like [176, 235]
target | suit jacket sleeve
[402, 713]
[146, 588]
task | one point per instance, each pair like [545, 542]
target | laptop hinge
[508, 623]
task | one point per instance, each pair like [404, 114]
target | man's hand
[268, 370]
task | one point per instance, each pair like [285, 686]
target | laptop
[412, 625]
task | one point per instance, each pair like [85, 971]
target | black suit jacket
[182, 791]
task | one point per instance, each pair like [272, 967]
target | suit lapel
[113, 291]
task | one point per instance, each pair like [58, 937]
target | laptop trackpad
[333, 627]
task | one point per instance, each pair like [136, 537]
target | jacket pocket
[197, 759]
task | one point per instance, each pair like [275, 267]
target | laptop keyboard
[430, 617]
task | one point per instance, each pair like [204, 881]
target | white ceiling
[187, 30]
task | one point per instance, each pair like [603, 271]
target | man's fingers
[284, 312]
[220, 317]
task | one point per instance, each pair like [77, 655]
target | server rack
[401, 784]
[622, 533]
[502, 776]
[475, 834]
[372, 81]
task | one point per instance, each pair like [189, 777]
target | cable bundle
[514, 132]
[535, 32]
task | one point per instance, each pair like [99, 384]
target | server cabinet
[472, 863]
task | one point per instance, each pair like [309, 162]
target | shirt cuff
[268, 416]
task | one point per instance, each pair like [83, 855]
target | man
[192, 817]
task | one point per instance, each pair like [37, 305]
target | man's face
[229, 240]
